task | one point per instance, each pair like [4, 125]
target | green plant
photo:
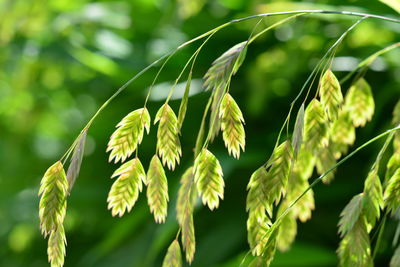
[279, 191]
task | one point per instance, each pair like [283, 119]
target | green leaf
[359, 103]
[232, 126]
[125, 190]
[350, 215]
[315, 125]
[157, 190]
[298, 132]
[173, 258]
[129, 134]
[208, 178]
[168, 144]
[53, 198]
[184, 102]
[331, 94]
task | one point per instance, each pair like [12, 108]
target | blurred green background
[61, 59]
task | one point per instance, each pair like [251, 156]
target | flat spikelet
[342, 130]
[355, 248]
[360, 103]
[298, 131]
[287, 231]
[129, 134]
[125, 190]
[173, 258]
[257, 233]
[396, 114]
[217, 77]
[392, 192]
[350, 215]
[256, 202]
[373, 198]
[331, 94]
[184, 102]
[168, 144]
[56, 247]
[184, 213]
[157, 190]
[229, 62]
[76, 161]
[316, 129]
[53, 202]
[324, 161]
[280, 166]
[208, 178]
[232, 126]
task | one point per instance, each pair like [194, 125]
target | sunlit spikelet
[279, 170]
[56, 247]
[157, 190]
[315, 126]
[342, 130]
[257, 232]
[184, 102]
[208, 178]
[217, 78]
[256, 202]
[168, 144]
[184, 213]
[324, 161]
[355, 248]
[298, 131]
[331, 94]
[287, 230]
[359, 102]
[232, 126]
[125, 190]
[173, 258]
[392, 165]
[392, 192]
[53, 202]
[76, 160]
[129, 134]
[373, 198]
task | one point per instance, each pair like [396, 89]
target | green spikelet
[129, 134]
[184, 213]
[331, 94]
[173, 258]
[256, 202]
[392, 192]
[157, 190]
[217, 78]
[125, 190]
[342, 130]
[350, 215]
[392, 165]
[257, 232]
[373, 198]
[287, 231]
[305, 163]
[232, 126]
[355, 248]
[53, 202]
[359, 103]
[168, 144]
[396, 114]
[280, 166]
[208, 178]
[316, 129]
[56, 247]
[325, 161]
